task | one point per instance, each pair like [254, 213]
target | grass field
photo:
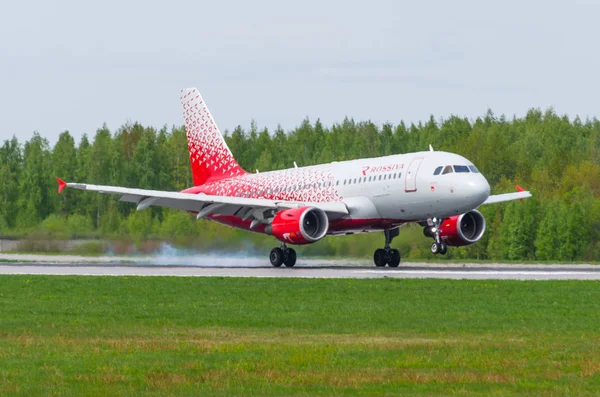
[230, 336]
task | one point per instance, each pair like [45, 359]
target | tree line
[557, 158]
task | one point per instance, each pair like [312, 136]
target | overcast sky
[70, 65]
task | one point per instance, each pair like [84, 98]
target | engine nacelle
[464, 229]
[302, 225]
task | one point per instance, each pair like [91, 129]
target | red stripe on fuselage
[335, 226]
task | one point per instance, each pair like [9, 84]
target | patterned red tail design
[210, 157]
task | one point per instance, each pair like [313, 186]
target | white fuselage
[378, 192]
[404, 186]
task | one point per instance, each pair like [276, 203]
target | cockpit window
[474, 169]
[438, 170]
[447, 170]
[461, 168]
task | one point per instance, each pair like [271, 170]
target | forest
[553, 156]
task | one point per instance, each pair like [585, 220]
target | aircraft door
[410, 181]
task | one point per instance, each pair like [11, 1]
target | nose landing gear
[438, 246]
[283, 256]
[387, 256]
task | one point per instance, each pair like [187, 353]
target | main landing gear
[283, 256]
[438, 246]
[387, 255]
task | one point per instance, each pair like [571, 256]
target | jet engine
[302, 225]
[464, 229]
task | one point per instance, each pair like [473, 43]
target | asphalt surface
[195, 266]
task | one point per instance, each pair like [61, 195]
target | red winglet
[61, 185]
[520, 189]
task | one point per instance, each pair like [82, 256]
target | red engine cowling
[302, 225]
[464, 229]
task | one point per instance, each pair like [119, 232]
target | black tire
[443, 248]
[394, 258]
[379, 257]
[276, 257]
[289, 257]
[435, 248]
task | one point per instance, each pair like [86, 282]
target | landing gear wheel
[276, 257]
[394, 258]
[379, 257]
[289, 257]
[436, 248]
[443, 248]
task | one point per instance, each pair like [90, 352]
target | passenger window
[337, 183]
[461, 168]
[438, 170]
[379, 177]
[344, 181]
[369, 179]
[354, 180]
[447, 170]
[474, 169]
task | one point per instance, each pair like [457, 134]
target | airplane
[440, 191]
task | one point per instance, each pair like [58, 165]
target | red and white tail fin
[210, 157]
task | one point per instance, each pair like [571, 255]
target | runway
[315, 268]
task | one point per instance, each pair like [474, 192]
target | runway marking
[472, 273]
[482, 272]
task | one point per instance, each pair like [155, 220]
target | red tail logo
[210, 157]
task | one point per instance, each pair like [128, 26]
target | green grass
[231, 336]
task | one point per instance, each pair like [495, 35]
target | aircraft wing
[201, 203]
[498, 198]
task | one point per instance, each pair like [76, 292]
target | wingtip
[520, 189]
[61, 185]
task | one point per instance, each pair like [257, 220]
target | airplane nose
[477, 190]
